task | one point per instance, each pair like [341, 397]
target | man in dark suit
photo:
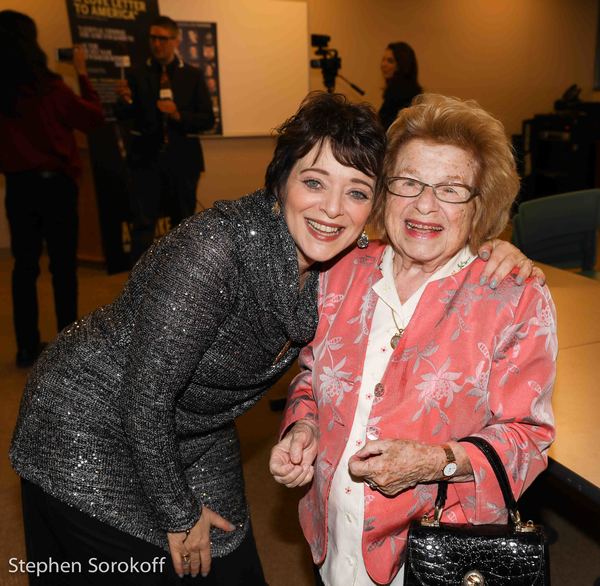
[168, 103]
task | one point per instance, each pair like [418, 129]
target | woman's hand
[292, 458]
[191, 552]
[391, 466]
[503, 258]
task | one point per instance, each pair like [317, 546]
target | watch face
[450, 468]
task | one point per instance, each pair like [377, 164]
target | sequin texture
[129, 414]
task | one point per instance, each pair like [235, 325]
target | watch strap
[450, 457]
[450, 462]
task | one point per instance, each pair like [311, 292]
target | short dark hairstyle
[166, 22]
[354, 132]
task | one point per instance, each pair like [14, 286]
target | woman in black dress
[400, 72]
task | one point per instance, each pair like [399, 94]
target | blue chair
[560, 230]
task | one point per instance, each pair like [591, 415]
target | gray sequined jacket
[129, 414]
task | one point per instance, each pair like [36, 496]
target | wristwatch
[449, 469]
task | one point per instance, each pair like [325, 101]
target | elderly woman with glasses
[414, 352]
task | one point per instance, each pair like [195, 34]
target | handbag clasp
[529, 527]
[434, 521]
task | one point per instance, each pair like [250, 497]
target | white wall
[515, 57]
[261, 45]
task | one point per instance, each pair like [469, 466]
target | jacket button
[373, 434]
[379, 390]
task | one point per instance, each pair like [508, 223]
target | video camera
[329, 63]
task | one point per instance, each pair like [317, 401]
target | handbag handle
[500, 472]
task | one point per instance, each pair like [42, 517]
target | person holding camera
[168, 103]
[40, 160]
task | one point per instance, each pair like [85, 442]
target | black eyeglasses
[160, 38]
[446, 192]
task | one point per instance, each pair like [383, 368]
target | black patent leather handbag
[446, 554]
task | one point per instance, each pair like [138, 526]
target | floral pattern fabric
[472, 361]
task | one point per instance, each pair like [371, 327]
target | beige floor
[575, 556]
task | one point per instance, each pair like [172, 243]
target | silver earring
[363, 240]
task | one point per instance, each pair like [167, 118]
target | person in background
[414, 352]
[168, 104]
[400, 73]
[40, 160]
[126, 439]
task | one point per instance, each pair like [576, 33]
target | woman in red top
[39, 157]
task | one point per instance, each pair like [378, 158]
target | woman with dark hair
[39, 157]
[400, 72]
[126, 438]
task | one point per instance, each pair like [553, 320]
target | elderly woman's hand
[190, 552]
[292, 458]
[503, 258]
[393, 465]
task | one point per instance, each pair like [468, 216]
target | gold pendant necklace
[399, 333]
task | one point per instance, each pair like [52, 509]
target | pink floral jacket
[472, 361]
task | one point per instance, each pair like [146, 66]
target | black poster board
[111, 31]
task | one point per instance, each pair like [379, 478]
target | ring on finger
[186, 559]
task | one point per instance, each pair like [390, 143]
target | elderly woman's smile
[424, 230]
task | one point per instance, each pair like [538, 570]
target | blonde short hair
[461, 123]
